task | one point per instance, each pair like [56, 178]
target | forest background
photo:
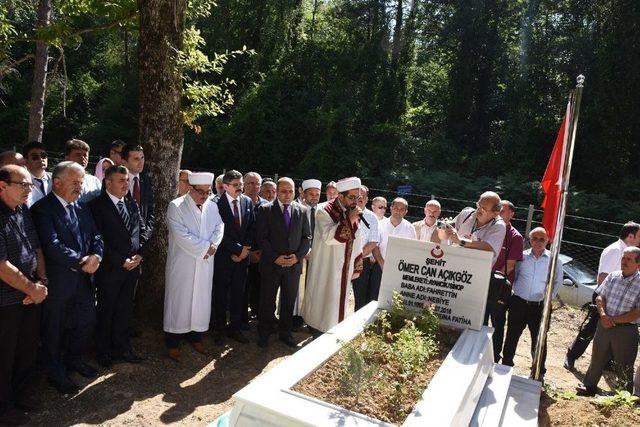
[452, 97]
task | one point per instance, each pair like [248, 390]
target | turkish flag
[553, 175]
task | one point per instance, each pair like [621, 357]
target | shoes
[104, 360]
[569, 363]
[29, 404]
[83, 369]
[199, 347]
[218, 338]
[238, 336]
[174, 354]
[14, 417]
[288, 340]
[64, 385]
[586, 391]
[263, 341]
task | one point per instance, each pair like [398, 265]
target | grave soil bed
[391, 396]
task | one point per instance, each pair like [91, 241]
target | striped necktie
[124, 215]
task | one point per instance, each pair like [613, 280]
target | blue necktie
[124, 215]
[75, 224]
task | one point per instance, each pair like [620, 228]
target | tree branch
[6, 69]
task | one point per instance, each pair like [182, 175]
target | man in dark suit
[139, 184]
[232, 258]
[118, 220]
[284, 235]
[73, 248]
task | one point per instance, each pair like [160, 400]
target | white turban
[311, 183]
[201, 178]
[347, 184]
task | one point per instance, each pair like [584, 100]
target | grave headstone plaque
[454, 280]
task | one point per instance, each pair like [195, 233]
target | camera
[442, 225]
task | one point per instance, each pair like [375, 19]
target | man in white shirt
[426, 227]
[77, 151]
[609, 261]
[367, 286]
[395, 225]
[525, 306]
[37, 161]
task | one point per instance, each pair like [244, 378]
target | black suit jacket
[119, 242]
[275, 240]
[233, 239]
[146, 203]
[63, 249]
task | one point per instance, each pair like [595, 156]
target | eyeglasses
[352, 198]
[25, 185]
[203, 193]
[380, 207]
[37, 156]
[495, 208]
[236, 185]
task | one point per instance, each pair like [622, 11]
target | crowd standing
[242, 248]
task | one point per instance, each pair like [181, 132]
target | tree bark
[39, 83]
[397, 36]
[160, 125]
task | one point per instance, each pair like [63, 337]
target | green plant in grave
[412, 348]
[356, 373]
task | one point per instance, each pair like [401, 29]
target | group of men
[241, 248]
[71, 248]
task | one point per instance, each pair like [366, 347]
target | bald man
[11, 158]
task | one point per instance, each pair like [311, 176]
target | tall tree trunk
[39, 84]
[397, 36]
[160, 124]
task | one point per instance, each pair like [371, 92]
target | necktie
[136, 190]
[287, 217]
[40, 185]
[313, 220]
[236, 214]
[75, 225]
[124, 215]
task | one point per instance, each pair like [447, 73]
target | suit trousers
[621, 342]
[19, 337]
[287, 280]
[364, 290]
[114, 310]
[497, 312]
[522, 314]
[72, 317]
[252, 292]
[229, 281]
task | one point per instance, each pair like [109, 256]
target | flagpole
[536, 368]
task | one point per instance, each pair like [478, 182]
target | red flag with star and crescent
[553, 176]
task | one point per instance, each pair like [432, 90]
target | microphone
[364, 221]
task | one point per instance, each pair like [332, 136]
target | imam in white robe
[187, 296]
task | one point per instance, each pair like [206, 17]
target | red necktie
[236, 214]
[136, 190]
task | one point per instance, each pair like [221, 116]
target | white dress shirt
[386, 228]
[91, 187]
[115, 201]
[370, 234]
[531, 276]
[611, 257]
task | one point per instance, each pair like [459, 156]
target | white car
[579, 283]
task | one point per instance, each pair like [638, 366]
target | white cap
[311, 183]
[201, 178]
[347, 184]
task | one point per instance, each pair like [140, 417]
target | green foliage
[556, 393]
[356, 373]
[622, 398]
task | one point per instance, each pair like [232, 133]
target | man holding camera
[482, 228]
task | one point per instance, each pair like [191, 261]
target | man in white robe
[195, 231]
[336, 258]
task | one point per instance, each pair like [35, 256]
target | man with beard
[336, 258]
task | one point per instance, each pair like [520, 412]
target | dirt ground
[199, 388]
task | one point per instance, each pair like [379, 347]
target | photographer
[482, 228]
